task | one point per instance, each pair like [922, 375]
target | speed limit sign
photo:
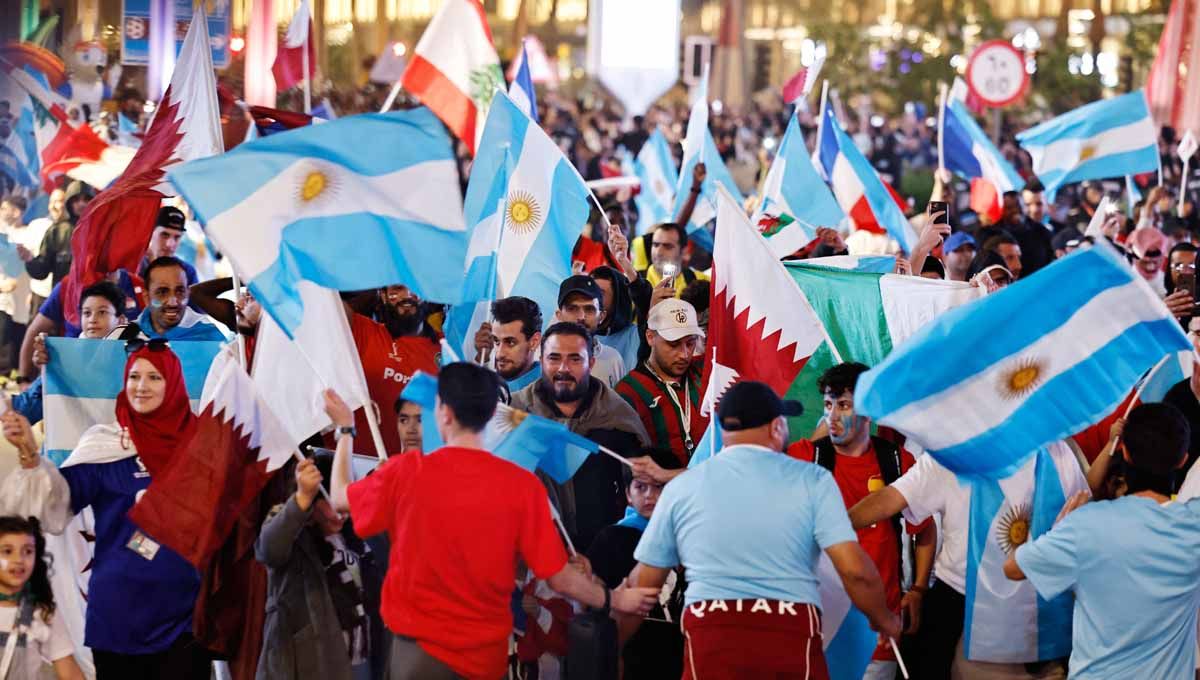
[996, 73]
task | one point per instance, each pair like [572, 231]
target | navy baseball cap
[957, 240]
[749, 404]
[579, 283]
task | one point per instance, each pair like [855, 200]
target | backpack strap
[888, 455]
[824, 454]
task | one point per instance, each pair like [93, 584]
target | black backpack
[592, 647]
[888, 455]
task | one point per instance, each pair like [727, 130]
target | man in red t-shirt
[861, 465]
[391, 349]
[459, 520]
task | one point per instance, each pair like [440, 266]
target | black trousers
[185, 659]
[930, 653]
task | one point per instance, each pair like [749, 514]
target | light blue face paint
[850, 426]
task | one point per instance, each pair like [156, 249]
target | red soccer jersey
[858, 477]
[388, 365]
[458, 521]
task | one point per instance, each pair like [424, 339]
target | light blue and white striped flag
[84, 377]
[655, 168]
[699, 147]
[795, 199]
[526, 206]
[989, 382]
[1108, 138]
[360, 202]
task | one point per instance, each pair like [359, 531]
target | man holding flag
[749, 527]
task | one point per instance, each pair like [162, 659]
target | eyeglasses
[154, 345]
[1152, 255]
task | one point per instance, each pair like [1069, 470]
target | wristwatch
[343, 431]
[607, 599]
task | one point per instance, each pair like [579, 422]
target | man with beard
[54, 256]
[168, 315]
[567, 392]
[581, 301]
[511, 341]
[666, 389]
[861, 465]
[392, 346]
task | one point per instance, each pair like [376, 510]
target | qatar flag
[237, 447]
[289, 58]
[115, 228]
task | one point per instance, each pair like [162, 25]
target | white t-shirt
[610, 366]
[931, 489]
[47, 642]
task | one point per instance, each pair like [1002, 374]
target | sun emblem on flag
[524, 213]
[1024, 377]
[315, 185]
[659, 186]
[1012, 531]
[1087, 152]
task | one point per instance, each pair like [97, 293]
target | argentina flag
[360, 202]
[1108, 138]
[655, 169]
[989, 382]
[526, 206]
[84, 377]
[699, 147]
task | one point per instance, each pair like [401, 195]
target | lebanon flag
[115, 227]
[761, 326]
[454, 69]
[289, 57]
[238, 445]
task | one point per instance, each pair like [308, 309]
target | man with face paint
[168, 314]
[861, 465]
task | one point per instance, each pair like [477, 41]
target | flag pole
[821, 119]
[607, 451]
[1182, 186]
[239, 341]
[391, 98]
[307, 73]
[941, 126]
[899, 659]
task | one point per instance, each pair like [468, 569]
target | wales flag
[866, 314]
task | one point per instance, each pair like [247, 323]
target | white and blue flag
[521, 90]
[360, 202]
[655, 169]
[1108, 138]
[795, 199]
[526, 206]
[699, 147]
[969, 153]
[82, 383]
[990, 382]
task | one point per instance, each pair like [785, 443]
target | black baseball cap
[170, 217]
[579, 283]
[749, 404]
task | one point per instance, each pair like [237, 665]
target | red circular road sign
[996, 73]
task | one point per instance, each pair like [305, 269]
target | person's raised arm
[932, 233]
[359, 304]
[877, 507]
[863, 585]
[342, 473]
[206, 296]
[36, 488]
[1098, 471]
[40, 324]
[699, 172]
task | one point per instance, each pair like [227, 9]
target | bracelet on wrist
[919, 589]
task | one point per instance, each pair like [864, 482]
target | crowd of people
[454, 563]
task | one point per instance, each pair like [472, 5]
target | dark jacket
[301, 636]
[54, 255]
[594, 498]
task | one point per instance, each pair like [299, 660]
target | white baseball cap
[674, 319]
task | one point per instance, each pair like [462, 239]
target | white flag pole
[1182, 187]
[816, 152]
[941, 127]
[239, 341]
[391, 98]
[307, 73]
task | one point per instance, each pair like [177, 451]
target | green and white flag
[866, 314]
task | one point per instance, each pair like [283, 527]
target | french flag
[967, 152]
[864, 197]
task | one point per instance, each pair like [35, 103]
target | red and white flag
[1173, 86]
[761, 326]
[289, 58]
[116, 226]
[238, 445]
[454, 69]
[802, 83]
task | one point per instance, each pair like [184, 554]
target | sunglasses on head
[154, 345]
[1152, 255]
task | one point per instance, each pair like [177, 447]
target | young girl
[30, 633]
